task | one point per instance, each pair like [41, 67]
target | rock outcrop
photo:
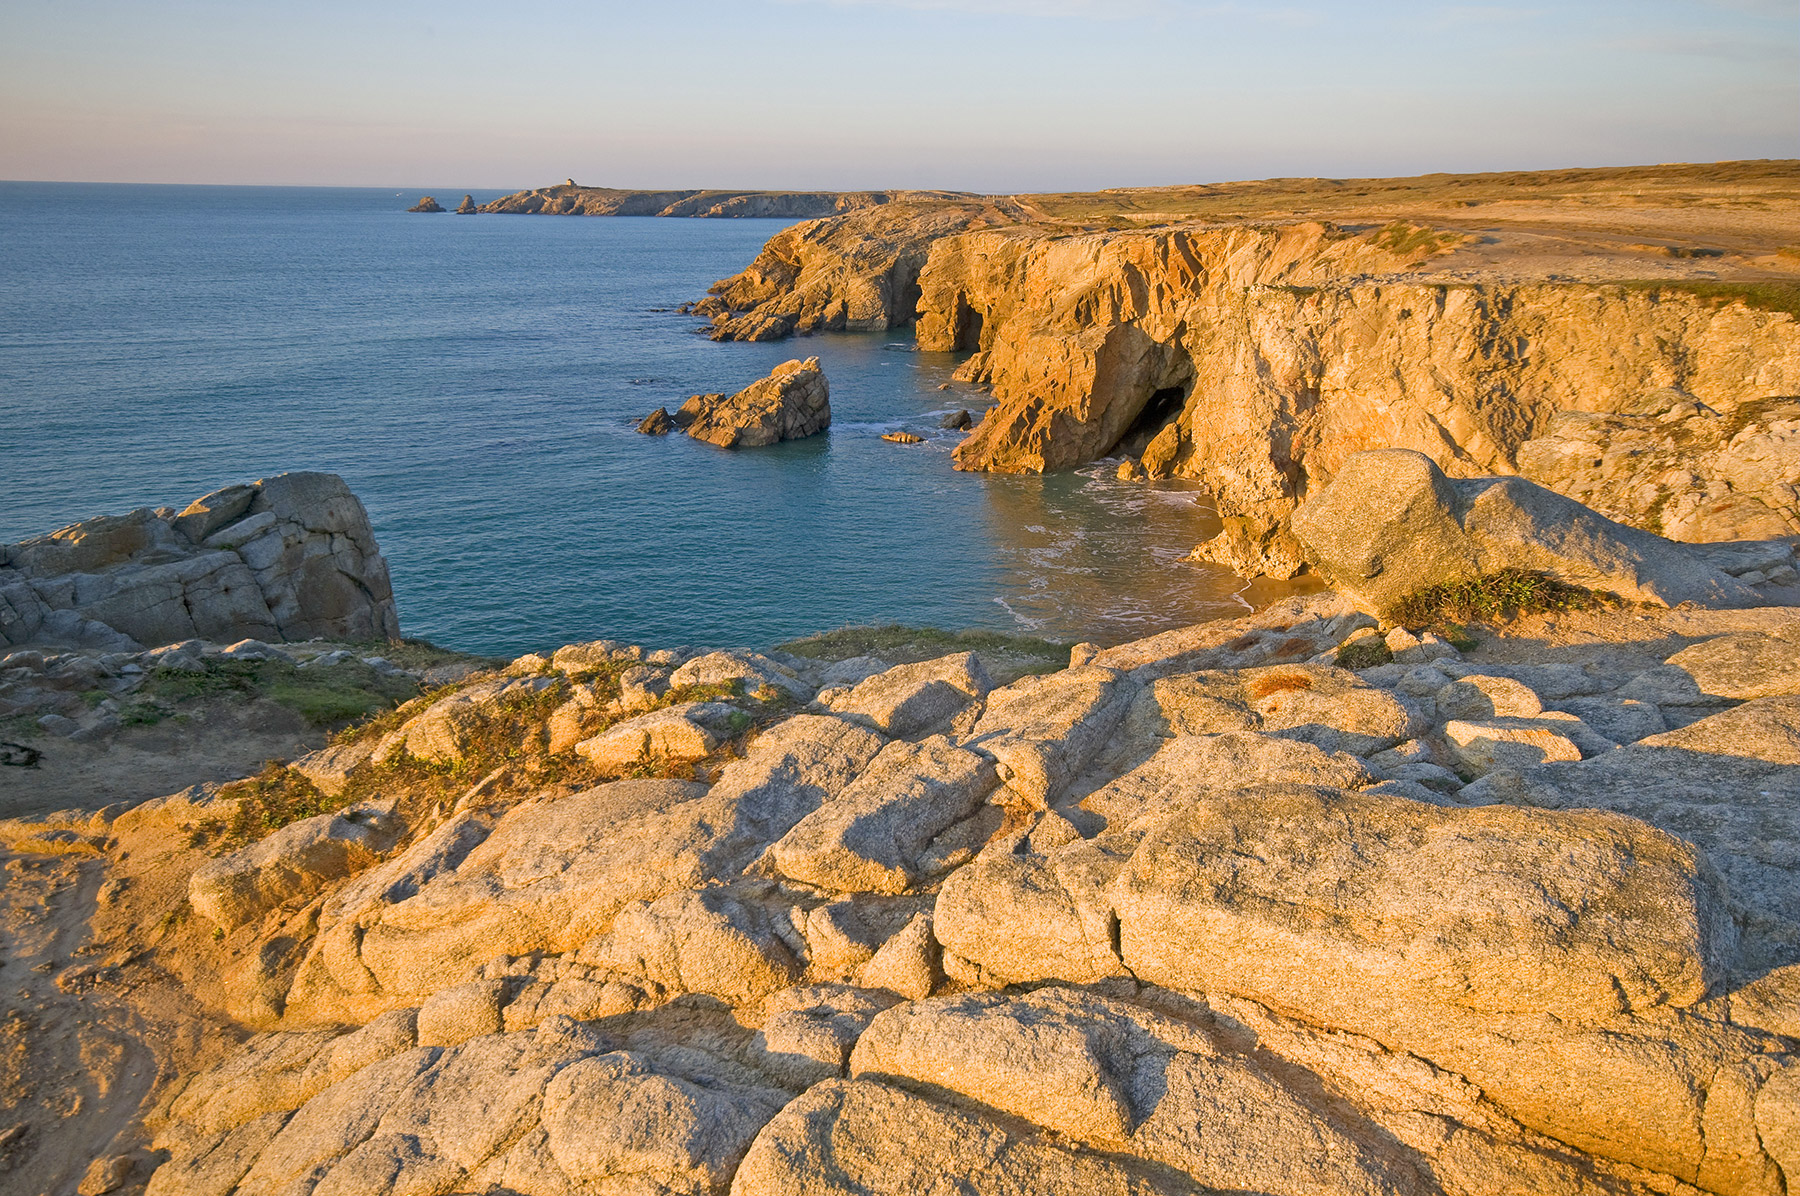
[290, 557]
[571, 199]
[1390, 523]
[1205, 913]
[1259, 360]
[792, 403]
[853, 273]
[426, 204]
[467, 206]
[1678, 467]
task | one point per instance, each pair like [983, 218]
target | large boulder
[290, 557]
[296, 861]
[1390, 523]
[792, 403]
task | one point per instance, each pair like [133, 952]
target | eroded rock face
[1390, 523]
[1678, 467]
[1258, 361]
[858, 272]
[792, 403]
[289, 557]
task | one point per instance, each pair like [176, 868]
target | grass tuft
[1364, 653]
[1493, 597]
[1417, 242]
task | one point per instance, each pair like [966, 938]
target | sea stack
[426, 204]
[792, 403]
[467, 206]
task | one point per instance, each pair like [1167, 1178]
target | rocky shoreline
[1326, 899]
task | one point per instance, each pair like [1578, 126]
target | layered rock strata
[1201, 912]
[290, 557]
[792, 403]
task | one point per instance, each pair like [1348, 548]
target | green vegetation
[1413, 241]
[1771, 295]
[325, 697]
[266, 802]
[1364, 653]
[1490, 598]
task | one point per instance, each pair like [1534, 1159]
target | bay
[478, 382]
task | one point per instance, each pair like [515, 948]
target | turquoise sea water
[478, 379]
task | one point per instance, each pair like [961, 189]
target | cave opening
[1160, 410]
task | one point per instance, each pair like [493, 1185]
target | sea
[478, 382]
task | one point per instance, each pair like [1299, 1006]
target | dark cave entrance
[1160, 410]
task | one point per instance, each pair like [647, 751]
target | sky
[983, 95]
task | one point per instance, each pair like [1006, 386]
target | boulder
[1122, 1079]
[808, 1032]
[1043, 731]
[863, 1138]
[750, 671]
[1520, 948]
[792, 403]
[657, 423]
[702, 942]
[674, 735]
[1390, 523]
[1318, 704]
[885, 832]
[444, 730]
[296, 861]
[1729, 783]
[290, 557]
[916, 699]
[615, 1120]
[1742, 666]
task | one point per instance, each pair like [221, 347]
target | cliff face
[1678, 467]
[1258, 360]
[858, 272]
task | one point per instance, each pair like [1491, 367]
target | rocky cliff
[856, 273]
[1258, 360]
[286, 558]
[571, 199]
[1257, 354]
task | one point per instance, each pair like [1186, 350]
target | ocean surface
[478, 382]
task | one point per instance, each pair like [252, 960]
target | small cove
[478, 382]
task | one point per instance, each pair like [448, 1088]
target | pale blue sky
[987, 95]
